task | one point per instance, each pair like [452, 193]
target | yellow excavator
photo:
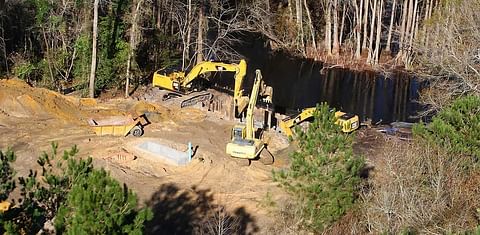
[244, 144]
[184, 83]
[348, 122]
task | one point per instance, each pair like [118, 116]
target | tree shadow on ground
[193, 211]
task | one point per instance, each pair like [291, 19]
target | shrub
[77, 197]
[324, 173]
[97, 204]
[420, 188]
[7, 183]
[456, 128]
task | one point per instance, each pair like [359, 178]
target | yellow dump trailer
[119, 125]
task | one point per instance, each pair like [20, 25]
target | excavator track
[207, 97]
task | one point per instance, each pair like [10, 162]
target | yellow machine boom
[348, 122]
[178, 81]
[244, 144]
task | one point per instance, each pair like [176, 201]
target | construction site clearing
[32, 118]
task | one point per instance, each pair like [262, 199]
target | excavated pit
[164, 153]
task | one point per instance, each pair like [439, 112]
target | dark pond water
[301, 83]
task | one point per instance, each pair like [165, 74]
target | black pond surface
[302, 83]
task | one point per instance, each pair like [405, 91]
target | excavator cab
[238, 132]
[349, 122]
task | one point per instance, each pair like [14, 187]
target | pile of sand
[18, 99]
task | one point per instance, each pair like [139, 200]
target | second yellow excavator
[244, 144]
[183, 83]
[348, 122]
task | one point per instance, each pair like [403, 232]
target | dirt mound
[154, 113]
[18, 99]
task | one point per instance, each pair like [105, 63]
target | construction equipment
[244, 144]
[4, 206]
[119, 126]
[348, 122]
[182, 83]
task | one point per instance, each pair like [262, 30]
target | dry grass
[422, 189]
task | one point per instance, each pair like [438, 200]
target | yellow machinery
[4, 206]
[119, 126]
[348, 122]
[185, 83]
[244, 144]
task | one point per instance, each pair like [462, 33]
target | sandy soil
[31, 118]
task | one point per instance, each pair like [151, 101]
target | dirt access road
[183, 198]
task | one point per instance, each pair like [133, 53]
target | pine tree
[456, 128]
[73, 194]
[97, 204]
[7, 182]
[324, 173]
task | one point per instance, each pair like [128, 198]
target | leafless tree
[180, 16]
[94, 50]
[452, 55]
[220, 222]
[133, 41]
[390, 28]
[421, 188]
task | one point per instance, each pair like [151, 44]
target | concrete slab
[165, 153]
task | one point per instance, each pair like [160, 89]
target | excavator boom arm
[181, 82]
[240, 70]
[250, 133]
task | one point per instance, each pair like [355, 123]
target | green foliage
[112, 47]
[81, 66]
[97, 204]
[324, 173]
[42, 8]
[7, 183]
[456, 128]
[80, 198]
[25, 71]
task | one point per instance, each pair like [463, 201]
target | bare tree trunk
[94, 50]
[342, 25]
[328, 29]
[200, 35]
[365, 25]
[299, 14]
[290, 12]
[336, 46]
[158, 14]
[414, 23]
[186, 47]
[310, 25]
[425, 18]
[403, 26]
[429, 13]
[372, 27]
[3, 45]
[133, 44]
[390, 28]
[408, 28]
[376, 54]
[49, 62]
[358, 27]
